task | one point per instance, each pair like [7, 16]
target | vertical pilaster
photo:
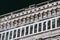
[42, 27]
[20, 31]
[55, 22]
[29, 30]
[12, 34]
[1, 35]
[33, 29]
[51, 24]
[16, 32]
[37, 27]
[24, 31]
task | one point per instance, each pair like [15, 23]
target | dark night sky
[12, 5]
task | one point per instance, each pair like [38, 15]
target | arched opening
[49, 24]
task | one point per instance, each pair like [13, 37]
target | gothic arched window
[35, 28]
[44, 26]
[27, 30]
[31, 29]
[22, 32]
[49, 24]
[39, 28]
[53, 23]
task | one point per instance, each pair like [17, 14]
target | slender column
[12, 33]
[16, 32]
[24, 31]
[42, 27]
[20, 31]
[29, 30]
[51, 24]
[37, 27]
[33, 28]
[1, 35]
[55, 22]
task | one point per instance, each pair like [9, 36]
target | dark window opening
[10, 35]
[53, 23]
[49, 24]
[18, 33]
[44, 26]
[31, 29]
[35, 28]
[22, 33]
[14, 35]
[39, 29]
[27, 30]
[58, 22]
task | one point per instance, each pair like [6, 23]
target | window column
[18, 32]
[42, 27]
[51, 24]
[35, 28]
[31, 29]
[55, 22]
[14, 33]
[22, 32]
[11, 35]
[27, 30]
[1, 36]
